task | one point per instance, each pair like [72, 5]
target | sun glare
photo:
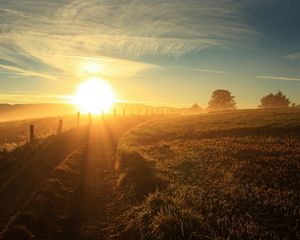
[94, 96]
[93, 67]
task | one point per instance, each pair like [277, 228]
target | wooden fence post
[115, 112]
[90, 118]
[124, 112]
[31, 133]
[78, 119]
[60, 126]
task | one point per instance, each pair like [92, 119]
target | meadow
[16, 133]
[230, 175]
[47, 186]
[221, 175]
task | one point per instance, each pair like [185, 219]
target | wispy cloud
[23, 72]
[198, 70]
[134, 27]
[16, 61]
[117, 31]
[279, 78]
[293, 56]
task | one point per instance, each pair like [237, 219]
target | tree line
[222, 99]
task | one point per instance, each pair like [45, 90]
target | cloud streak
[293, 56]
[198, 70]
[22, 72]
[135, 27]
[279, 78]
[118, 29]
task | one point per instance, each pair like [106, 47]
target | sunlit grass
[227, 176]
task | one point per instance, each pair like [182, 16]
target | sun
[94, 96]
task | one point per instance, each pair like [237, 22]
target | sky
[159, 52]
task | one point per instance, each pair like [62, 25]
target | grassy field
[50, 212]
[230, 175]
[16, 133]
[226, 175]
[61, 186]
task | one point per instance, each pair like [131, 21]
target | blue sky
[170, 52]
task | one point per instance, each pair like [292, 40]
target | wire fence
[16, 133]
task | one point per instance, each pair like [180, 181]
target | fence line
[114, 114]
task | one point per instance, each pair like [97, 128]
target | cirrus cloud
[293, 56]
[115, 32]
[279, 78]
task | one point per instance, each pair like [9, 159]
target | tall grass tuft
[136, 176]
[160, 217]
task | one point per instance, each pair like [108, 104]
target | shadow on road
[34, 163]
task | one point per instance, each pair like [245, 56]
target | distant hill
[10, 112]
[24, 111]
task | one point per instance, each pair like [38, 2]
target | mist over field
[26, 111]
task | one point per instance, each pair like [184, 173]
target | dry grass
[136, 176]
[16, 133]
[228, 175]
[49, 214]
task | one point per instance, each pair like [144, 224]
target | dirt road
[91, 210]
[98, 183]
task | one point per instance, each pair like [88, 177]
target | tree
[277, 100]
[195, 107]
[221, 100]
